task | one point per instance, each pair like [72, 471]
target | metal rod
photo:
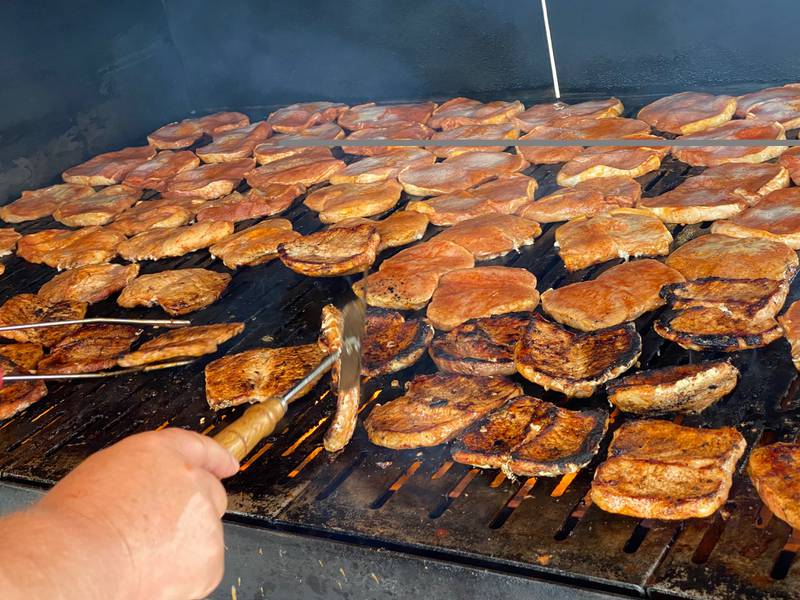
[318, 372]
[550, 50]
[152, 322]
[59, 376]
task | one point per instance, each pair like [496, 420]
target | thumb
[200, 451]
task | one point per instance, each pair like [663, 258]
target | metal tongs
[168, 323]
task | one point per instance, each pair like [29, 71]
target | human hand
[157, 498]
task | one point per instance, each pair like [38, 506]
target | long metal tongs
[168, 323]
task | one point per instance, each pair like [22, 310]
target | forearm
[47, 554]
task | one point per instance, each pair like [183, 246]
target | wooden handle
[240, 437]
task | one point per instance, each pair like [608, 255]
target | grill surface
[417, 501]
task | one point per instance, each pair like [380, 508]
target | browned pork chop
[747, 298]
[382, 166]
[491, 235]
[790, 326]
[688, 112]
[307, 167]
[255, 245]
[332, 252]
[713, 329]
[776, 217]
[155, 173]
[502, 131]
[745, 129]
[369, 115]
[68, 249]
[546, 114]
[392, 342]
[178, 292]
[30, 308]
[299, 117]
[93, 347]
[458, 112]
[17, 396]
[155, 244]
[183, 342]
[398, 229]
[587, 198]
[337, 202]
[459, 172]
[98, 209]
[25, 354]
[89, 284]
[209, 181]
[108, 168]
[151, 214]
[775, 473]
[234, 144]
[35, 204]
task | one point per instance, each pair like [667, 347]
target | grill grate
[419, 501]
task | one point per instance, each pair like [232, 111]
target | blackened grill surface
[540, 527]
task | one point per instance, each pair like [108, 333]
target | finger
[200, 451]
[213, 490]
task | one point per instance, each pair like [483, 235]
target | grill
[419, 502]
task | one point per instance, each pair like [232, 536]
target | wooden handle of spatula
[240, 437]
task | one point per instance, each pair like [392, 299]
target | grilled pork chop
[258, 375]
[492, 235]
[178, 292]
[722, 256]
[459, 173]
[546, 114]
[533, 438]
[108, 168]
[9, 239]
[383, 166]
[784, 111]
[151, 214]
[155, 244]
[93, 347]
[612, 161]
[368, 115]
[17, 396]
[401, 131]
[209, 181]
[747, 102]
[35, 204]
[338, 202]
[67, 249]
[182, 135]
[659, 470]
[275, 148]
[436, 408]
[790, 326]
[503, 131]
[747, 298]
[688, 112]
[619, 233]
[505, 195]
[234, 144]
[789, 159]
[155, 173]
[575, 363]
[25, 355]
[309, 167]
[398, 229]
[183, 342]
[407, 280]
[751, 181]
[98, 209]
[745, 129]
[255, 245]
[622, 293]
[776, 217]
[713, 329]
[681, 389]
[89, 284]
[272, 200]
[298, 117]
[391, 342]
[332, 252]
[466, 294]
[775, 473]
[480, 346]
[458, 112]
[30, 308]
[587, 198]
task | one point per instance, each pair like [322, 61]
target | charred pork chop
[25, 354]
[255, 245]
[532, 438]
[258, 375]
[108, 168]
[745, 129]
[155, 244]
[298, 117]
[209, 181]
[732, 258]
[335, 203]
[30, 308]
[776, 217]
[155, 173]
[458, 112]
[575, 363]
[17, 396]
[775, 473]
[436, 408]
[98, 209]
[93, 347]
[178, 292]
[492, 235]
[688, 112]
[713, 329]
[659, 470]
[392, 342]
[183, 342]
[68, 249]
[459, 173]
[790, 326]
[546, 114]
[505, 195]
[407, 280]
[681, 389]
[332, 252]
[503, 131]
[480, 346]
[383, 166]
[234, 144]
[466, 294]
[35, 204]
[619, 233]
[747, 298]
[368, 115]
[398, 229]
[88, 284]
[622, 293]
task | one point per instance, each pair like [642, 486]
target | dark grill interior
[418, 501]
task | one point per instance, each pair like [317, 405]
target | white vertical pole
[550, 50]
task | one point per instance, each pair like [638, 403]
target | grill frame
[50, 438]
